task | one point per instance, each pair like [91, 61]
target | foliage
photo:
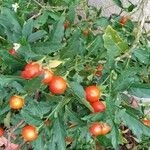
[38, 28]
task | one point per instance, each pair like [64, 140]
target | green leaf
[142, 55]
[3, 109]
[73, 116]
[113, 42]
[36, 36]
[28, 54]
[31, 86]
[29, 118]
[58, 139]
[75, 46]
[137, 127]
[125, 80]
[111, 111]
[94, 117]
[96, 46]
[104, 141]
[27, 28]
[9, 21]
[38, 109]
[12, 61]
[38, 143]
[41, 20]
[79, 92]
[131, 7]
[54, 43]
[5, 80]
[140, 90]
[114, 135]
[114, 45]
[119, 3]
[102, 22]
[71, 13]
[17, 86]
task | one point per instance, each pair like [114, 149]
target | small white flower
[15, 7]
[16, 46]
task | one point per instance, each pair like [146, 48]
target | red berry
[31, 70]
[96, 129]
[12, 52]
[146, 122]
[98, 106]
[86, 32]
[98, 73]
[1, 131]
[92, 93]
[66, 24]
[58, 85]
[48, 75]
[123, 20]
[105, 128]
[69, 140]
[29, 133]
[100, 68]
[16, 102]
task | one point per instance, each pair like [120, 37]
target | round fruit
[66, 24]
[105, 128]
[98, 106]
[98, 73]
[58, 85]
[100, 67]
[16, 102]
[1, 131]
[86, 32]
[96, 129]
[12, 52]
[123, 20]
[31, 70]
[29, 133]
[92, 93]
[146, 122]
[48, 75]
[69, 140]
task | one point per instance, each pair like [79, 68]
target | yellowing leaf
[54, 63]
[113, 42]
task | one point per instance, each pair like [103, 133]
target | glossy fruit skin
[99, 128]
[146, 122]
[123, 20]
[31, 70]
[86, 32]
[16, 102]
[58, 85]
[29, 133]
[1, 131]
[98, 106]
[48, 75]
[96, 129]
[105, 129]
[12, 52]
[92, 93]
